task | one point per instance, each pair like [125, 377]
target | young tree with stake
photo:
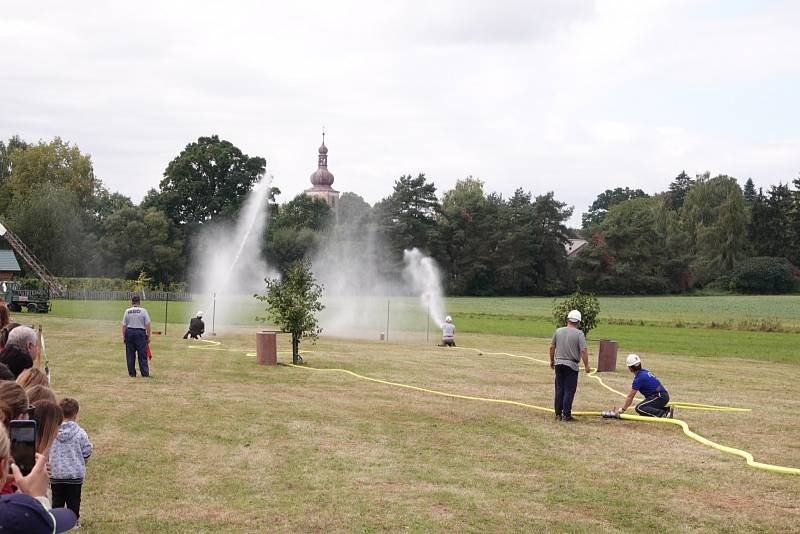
[292, 303]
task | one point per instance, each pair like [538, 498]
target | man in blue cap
[22, 514]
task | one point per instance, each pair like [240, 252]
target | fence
[87, 294]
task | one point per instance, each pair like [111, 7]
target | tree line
[702, 231]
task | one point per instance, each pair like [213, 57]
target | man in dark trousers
[656, 396]
[566, 350]
[196, 327]
[136, 336]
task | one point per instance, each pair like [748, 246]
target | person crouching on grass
[448, 333]
[656, 396]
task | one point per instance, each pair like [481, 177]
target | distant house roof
[574, 245]
[8, 261]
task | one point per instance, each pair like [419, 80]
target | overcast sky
[566, 96]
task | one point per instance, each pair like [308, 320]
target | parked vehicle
[35, 300]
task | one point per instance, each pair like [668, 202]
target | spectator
[16, 359]
[13, 402]
[32, 377]
[24, 514]
[37, 393]
[5, 373]
[48, 419]
[29, 510]
[4, 331]
[25, 338]
[68, 456]
[5, 315]
[13, 405]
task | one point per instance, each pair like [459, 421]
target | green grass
[216, 443]
[702, 310]
[639, 324]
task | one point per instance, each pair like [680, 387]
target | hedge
[102, 284]
[764, 274]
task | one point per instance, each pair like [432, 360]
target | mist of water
[228, 266]
[424, 278]
[365, 296]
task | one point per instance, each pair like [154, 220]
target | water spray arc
[425, 280]
[228, 262]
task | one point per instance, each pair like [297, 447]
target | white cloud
[574, 97]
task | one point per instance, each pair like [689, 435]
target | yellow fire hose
[685, 405]
[686, 430]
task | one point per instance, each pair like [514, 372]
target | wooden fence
[87, 294]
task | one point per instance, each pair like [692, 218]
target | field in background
[216, 443]
[727, 326]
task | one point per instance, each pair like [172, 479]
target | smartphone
[23, 444]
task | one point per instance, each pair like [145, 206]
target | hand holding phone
[37, 481]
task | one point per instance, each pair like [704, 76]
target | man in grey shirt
[567, 349]
[136, 336]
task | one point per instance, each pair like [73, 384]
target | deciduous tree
[292, 304]
[209, 178]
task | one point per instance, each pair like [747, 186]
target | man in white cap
[448, 333]
[656, 396]
[196, 327]
[567, 348]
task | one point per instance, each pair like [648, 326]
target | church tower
[322, 179]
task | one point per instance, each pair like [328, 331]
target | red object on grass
[149, 352]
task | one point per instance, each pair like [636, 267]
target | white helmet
[200, 313]
[574, 316]
[448, 319]
[632, 359]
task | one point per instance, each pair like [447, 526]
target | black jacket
[197, 326]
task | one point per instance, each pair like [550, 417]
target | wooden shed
[9, 266]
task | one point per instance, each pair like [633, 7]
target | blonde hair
[39, 392]
[13, 401]
[48, 419]
[32, 376]
[5, 445]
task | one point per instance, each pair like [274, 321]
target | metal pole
[166, 313]
[428, 325]
[214, 316]
[387, 320]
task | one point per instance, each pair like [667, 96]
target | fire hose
[678, 422]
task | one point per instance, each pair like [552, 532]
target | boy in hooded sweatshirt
[68, 455]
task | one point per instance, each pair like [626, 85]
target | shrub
[586, 303]
[763, 275]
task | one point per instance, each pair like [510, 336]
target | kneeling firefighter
[656, 396]
[196, 327]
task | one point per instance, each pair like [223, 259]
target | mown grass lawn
[216, 443]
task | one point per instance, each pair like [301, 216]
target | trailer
[34, 300]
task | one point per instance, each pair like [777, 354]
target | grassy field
[709, 326]
[216, 443]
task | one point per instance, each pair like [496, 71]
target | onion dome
[322, 177]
